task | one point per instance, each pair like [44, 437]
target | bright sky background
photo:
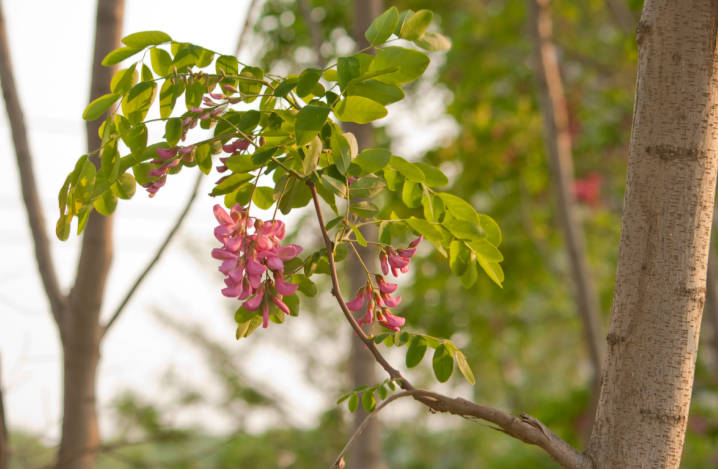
[51, 46]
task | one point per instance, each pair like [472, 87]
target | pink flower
[251, 305]
[384, 286]
[390, 321]
[416, 242]
[284, 288]
[166, 153]
[280, 304]
[358, 302]
[384, 265]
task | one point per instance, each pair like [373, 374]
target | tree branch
[33, 208]
[524, 427]
[150, 265]
[244, 33]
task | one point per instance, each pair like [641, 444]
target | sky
[51, 47]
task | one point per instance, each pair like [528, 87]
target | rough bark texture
[661, 272]
[558, 144]
[367, 452]
[81, 341]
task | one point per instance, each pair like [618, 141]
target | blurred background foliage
[525, 341]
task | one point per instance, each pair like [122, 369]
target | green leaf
[306, 286]
[433, 41]
[464, 367]
[382, 27]
[118, 55]
[135, 137]
[310, 120]
[403, 18]
[123, 80]
[409, 170]
[189, 55]
[241, 163]
[203, 156]
[411, 194]
[168, 97]
[173, 131]
[433, 177]
[491, 228]
[383, 93]
[106, 203]
[366, 187]
[227, 65]
[263, 197]
[368, 401]
[348, 68]
[471, 275]
[410, 63]
[230, 183]
[353, 403]
[360, 110]
[426, 229]
[415, 26]
[331, 75]
[307, 79]
[382, 392]
[145, 38]
[443, 363]
[493, 270]
[393, 180]
[459, 208]
[433, 207]
[98, 107]
[416, 351]
[138, 101]
[341, 149]
[286, 86]
[459, 257]
[486, 250]
[364, 209]
[311, 156]
[161, 61]
[251, 85]
[372, 160]
[125, 186]
[359, 237]
[147, 73]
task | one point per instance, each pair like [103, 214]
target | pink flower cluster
[166, 158]
[377, 303]
[249, 259]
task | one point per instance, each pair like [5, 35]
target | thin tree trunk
[711, 310]
[661, 272]
[558, 144]
[367, 452]
[4, 438]
[81, 343]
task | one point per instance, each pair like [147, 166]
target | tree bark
[558, 144]
[661, 272]
[367, 452]
[81, 342]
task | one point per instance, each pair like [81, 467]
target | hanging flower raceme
[398, 260]
[253, 260]
[167, 158]
[377, 302]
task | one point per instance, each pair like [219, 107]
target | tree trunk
[661, 272]
[367, 452]
[558, 144]
[81, 341]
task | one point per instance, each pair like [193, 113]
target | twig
[524, 427]
[33, 208]
[150, 265]
[365, 422]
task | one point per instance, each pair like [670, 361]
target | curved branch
[244, 33]
[150, 265]
[33, 208]
[524, 427]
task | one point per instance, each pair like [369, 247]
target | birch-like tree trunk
[661, 272]
[82, 330]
